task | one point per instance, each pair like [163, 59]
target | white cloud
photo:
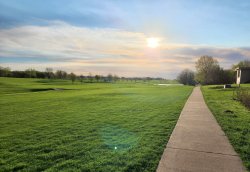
[61, 40]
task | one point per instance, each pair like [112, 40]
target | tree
[39, 74]
[97, 78]
[90, 77]
[186, 77]
[5, 71]
[207, 70]
[81, 78]
[18, 74]
[31, 73]
[49, 72]
[245, 63]
[110, 77]
[61, 74]
[116, 78]
[228, 76]
[72, 77]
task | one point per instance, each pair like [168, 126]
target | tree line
[60, 74]
[208, 71]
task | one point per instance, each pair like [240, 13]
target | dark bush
[186, 77]
[243, 95]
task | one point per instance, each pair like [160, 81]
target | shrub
[186, 77]
[243, 95]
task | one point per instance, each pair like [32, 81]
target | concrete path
[197, 143]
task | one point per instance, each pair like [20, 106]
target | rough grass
[233, 117]
[243, 95]
[89, 127]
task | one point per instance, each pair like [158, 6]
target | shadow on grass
[216, 87]
[48, 89]
[40, 89]
[221, 88]
[54, 81]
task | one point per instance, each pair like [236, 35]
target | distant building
[243, 75]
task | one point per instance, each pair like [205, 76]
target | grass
[243, 95]
[88, 127]
[233, 117]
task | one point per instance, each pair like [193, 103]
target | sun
[152, 42]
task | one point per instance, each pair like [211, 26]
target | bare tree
[49, 72]
[72, 77]
[110, 77]
[61, 74]
[97, 78]
[81, 78]
[116, 78]
[90, 77]
[31, 73]
[207, 70]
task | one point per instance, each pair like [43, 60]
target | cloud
[103, 50]
[61, 40]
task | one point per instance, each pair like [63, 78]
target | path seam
[202, 151]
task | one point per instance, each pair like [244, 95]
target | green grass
[89, 127]
[233, 117]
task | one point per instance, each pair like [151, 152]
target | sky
[102, 37]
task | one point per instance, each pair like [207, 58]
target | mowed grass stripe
[91, 127]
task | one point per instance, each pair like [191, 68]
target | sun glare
[152, 42]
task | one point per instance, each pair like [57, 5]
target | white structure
[243, 75]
